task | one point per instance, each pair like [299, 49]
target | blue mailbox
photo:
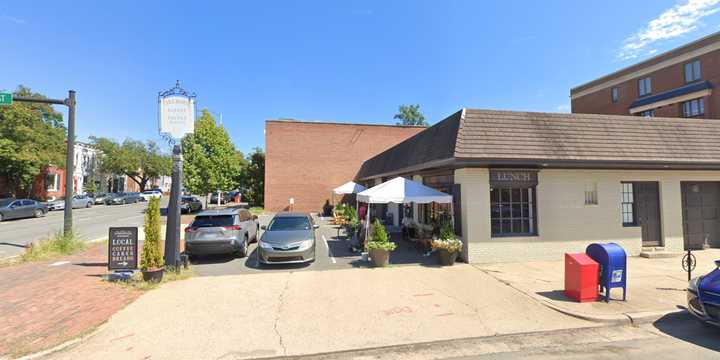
[613, 266]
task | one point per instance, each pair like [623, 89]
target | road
[91, 224]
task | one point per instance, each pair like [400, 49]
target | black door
[701, 214]
[647, 202]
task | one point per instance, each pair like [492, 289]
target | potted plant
[151, 261]
[447, 246]
[380, 245]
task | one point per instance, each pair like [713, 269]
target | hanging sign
[176, 112]
[123, 248]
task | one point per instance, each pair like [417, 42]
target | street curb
[60, 347]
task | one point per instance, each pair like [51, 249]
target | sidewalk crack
[281, 304]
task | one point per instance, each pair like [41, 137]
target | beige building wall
[565, 223]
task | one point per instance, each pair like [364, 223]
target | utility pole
[70, 159]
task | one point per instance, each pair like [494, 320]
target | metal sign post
[176, 110]
[689, 263]
[69, 162]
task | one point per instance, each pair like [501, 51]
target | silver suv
[227, 231]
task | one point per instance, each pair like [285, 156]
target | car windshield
[289, 223]
[149, 192]
[5, 202]
[212, 221]
[187, 198]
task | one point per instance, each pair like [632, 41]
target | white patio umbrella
[402, 191]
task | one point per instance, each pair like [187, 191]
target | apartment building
[677, 83]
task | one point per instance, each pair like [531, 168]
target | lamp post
[70, 159]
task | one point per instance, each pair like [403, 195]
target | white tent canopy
[349, 187]
[402, 191]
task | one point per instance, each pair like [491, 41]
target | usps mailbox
[613, 266]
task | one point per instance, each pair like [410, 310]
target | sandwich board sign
[123, 248]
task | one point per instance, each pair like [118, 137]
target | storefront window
[512, 211]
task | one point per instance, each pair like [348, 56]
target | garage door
[701, 214]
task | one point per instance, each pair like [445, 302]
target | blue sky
[350, 61]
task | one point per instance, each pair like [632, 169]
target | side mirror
[263, 227]
[316, 226]
[717, 263]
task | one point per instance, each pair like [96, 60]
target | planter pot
[379, 257]
[154, 275]
[447, 258]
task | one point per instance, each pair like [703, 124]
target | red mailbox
[581, 277]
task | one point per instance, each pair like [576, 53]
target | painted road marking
[59, 263]
[329, 252]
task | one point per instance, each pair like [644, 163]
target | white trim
[674, 100]
[647, 70]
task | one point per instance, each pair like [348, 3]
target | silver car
[288, 239]
[226, 231]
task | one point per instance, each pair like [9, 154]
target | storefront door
[647, 199]
[701, 214]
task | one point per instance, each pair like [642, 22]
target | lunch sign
[123, 248]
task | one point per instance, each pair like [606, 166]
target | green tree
[252, 178]
[32, 136]
[211, 161]
[139, 161]
[410, 115]
[151, 257]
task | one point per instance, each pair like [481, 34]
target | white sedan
[149, 194]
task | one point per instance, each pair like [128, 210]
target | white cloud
[678, 20]
[563, 108]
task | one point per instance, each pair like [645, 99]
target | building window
[628, 205]
[51, 182]
[591, 197]
[692, 71]
[512, 211]
[648, 113]
[645, 86]
[695, 107]
[615, 93]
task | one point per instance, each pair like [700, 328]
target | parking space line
[328, 248]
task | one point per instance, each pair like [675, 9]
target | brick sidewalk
[42, 306]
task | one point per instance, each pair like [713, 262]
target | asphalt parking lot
[332, 252]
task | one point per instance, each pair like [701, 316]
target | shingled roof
[490, 137]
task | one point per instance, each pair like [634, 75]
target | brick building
[306, 160]
[677, 83]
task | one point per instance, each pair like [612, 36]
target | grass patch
[60, 244]
[256, 210]
[136, 281]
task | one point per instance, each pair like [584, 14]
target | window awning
[683, 93]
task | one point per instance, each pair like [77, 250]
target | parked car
[703, 296]
[99, 199]
[57, 203]
[289, 238]
[123, 198]
[226, 197]
[190, 204]
[21, 208]
[82, 201]
[227, 231]
[149, 194]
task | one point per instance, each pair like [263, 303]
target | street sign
[5, 99]
[123, 248]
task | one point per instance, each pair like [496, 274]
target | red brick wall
[306, 160]
[671, 77]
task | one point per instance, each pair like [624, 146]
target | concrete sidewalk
[655, 287]
[295, 313]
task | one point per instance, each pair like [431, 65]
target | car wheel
[39, 213]
[87, 205]
[123, 202]
[244, 250]
[2, 217]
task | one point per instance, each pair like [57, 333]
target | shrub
[151, 254]
[380, 239]
[447, 240]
